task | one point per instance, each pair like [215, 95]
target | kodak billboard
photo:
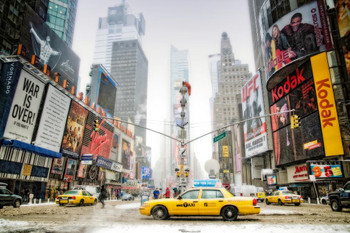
[326, 105]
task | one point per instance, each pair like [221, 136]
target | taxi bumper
[247, 210]
[145, 210]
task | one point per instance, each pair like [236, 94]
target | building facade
[233, 75]
[118, 48]
[61, 16]
[317, 149]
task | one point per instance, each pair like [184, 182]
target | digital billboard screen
[298, 34]
[107, 93]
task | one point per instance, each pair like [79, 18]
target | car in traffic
[282, 197]
[127, 197]
[93, 190]
[261, 196]
[7, 198]
[340, 198]
[201, 201]
[76, 197]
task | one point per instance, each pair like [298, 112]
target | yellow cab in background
[260, 196]
[201, 201]
[76, 197]
[282, 197]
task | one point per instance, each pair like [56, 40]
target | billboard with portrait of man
[296, 35]
[39, 39]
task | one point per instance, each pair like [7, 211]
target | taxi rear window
[72, 192]
[212, 194]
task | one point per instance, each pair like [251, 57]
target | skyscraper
[118, 48]
[61, 18]
[233, 75]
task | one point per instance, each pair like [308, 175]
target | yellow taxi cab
[261, 196]
[76, 197]
[284, 197]
[201, 201]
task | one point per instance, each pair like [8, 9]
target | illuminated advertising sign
[297, 173]
[115, 145]
[271, 179]
[57, 166]
[325, 170]
[25, 107]
[73, 134]
[107, 92]
[70, 170]
[100, 142]
[53, 120]
[255, 136]
[40, 40]
[326, 105]
[146, 173]
[126, 154]
[297, 34]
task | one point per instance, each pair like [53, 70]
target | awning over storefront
[31, 148]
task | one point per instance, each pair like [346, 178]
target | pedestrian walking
[156, 194]
[103, 195]
[167, 193]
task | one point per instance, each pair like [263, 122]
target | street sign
[220, 136]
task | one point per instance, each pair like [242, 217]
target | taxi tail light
[73, 197]
[301, 197]
[57, 197]
[254, 202]
[286, 197]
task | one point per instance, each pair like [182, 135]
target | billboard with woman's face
[299, 33]
[126, 154]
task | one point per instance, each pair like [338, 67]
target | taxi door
[275, 197]
[186, 204]
[88, 199]
[211, 202]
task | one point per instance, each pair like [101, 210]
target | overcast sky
[193, 25]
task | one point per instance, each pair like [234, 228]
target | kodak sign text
[326, 106]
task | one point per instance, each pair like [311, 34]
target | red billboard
[100, 142]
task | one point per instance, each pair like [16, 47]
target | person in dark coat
[103, 195]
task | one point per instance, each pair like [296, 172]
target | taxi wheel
[267, 202]
[280, 202]
[336, 206]
[297, 204]
[81, 203]
[160, 213]
[229, 213]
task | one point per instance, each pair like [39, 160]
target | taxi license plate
[63, 201]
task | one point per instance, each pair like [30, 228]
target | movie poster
[298, 34]
[82, 170]
[73, 135]
[280, 120]
[126, 155]
[70, 170]
[57, 166]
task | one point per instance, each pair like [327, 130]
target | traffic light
[96, 125]
[294, 122]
